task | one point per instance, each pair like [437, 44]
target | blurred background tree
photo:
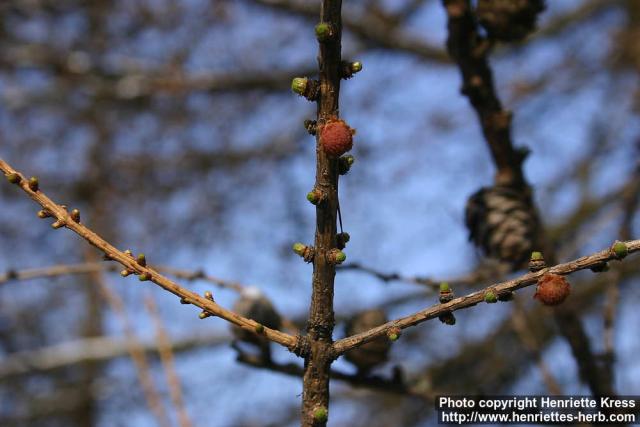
[171, 125]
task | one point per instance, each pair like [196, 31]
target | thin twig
[477, 297]
[63, 218]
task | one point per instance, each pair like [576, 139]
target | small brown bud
[75, 215]
[34, 184]
[58, 224]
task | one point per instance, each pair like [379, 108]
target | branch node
[324, 32]
[394, 334]
[320, 414]
[344, 164]
[141, 260]
[14, 178]
[447, 318]
[349, 68]
[446, 294]
[311, 126]
[600, 267]
[336, 256]
[490, 297]
[58, 224]
[306, 252]
[306, 87]
[342, 239]
[302, 347]
[75, 215]
[44, 213]
[536, 263]
[34, 184]
[316, 196]
[619, 249]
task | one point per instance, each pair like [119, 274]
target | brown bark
[321, 317]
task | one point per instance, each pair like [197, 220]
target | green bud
[320, 414]
[144, 277]
[125, 273]
[259, 328]
[620, 249]
[490, 297]
[356, 67]
[536, 256]
[14, 178]
[203, 315]
[337, 256]
[142, 260]
[314, 196]
[444, 287]
[394, 334]
[34, 184]
[299, 85]
[299, 248]
[323, 31]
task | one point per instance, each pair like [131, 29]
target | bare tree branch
[132, 266]
[477, 297]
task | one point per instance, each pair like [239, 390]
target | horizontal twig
[474, 298]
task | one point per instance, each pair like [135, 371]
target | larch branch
[477, 297]
[64, 218]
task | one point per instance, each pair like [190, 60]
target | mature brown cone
[503, 223]
[254, 305]
[373, 353]
[509, 20]
[552, 289]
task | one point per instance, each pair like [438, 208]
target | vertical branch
[321, 317]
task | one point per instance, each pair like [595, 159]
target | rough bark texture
[321, 316]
